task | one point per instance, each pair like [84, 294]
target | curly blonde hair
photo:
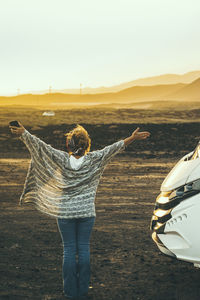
[78, 141]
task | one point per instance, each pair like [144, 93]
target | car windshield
[196, 152]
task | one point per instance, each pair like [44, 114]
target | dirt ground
[125, 262]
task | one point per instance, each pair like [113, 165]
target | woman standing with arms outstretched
[63, 185]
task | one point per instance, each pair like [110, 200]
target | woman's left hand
[137, 135]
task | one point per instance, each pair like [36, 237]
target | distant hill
[148, 81]
[188, 92]
[167, 79]
[139, 95]
[156, 92]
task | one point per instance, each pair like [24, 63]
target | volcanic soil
[125, 262]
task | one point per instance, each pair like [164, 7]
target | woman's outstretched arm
[35, 145]
[31, 141]
[108, 152]
[136, 135]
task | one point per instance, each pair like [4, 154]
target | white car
[175, 222]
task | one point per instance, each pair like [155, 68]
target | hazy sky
[94, 42]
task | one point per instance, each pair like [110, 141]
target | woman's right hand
[17, 130]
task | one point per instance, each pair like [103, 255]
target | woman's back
[61, 185]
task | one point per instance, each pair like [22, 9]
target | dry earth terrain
[126, 264]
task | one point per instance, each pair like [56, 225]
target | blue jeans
[75, 234]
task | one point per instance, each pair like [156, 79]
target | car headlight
[166, 201]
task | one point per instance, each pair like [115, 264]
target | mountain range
[148, 81]
[144, 96]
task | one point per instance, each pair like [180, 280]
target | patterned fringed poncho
[55, 187]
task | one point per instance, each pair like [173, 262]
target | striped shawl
[55, 187]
